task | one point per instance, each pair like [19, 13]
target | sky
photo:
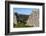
[23, 11]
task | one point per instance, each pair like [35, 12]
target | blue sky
[23, 11]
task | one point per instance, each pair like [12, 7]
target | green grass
[21, 25]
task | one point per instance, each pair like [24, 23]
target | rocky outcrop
[14, 19]
[33, 18]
